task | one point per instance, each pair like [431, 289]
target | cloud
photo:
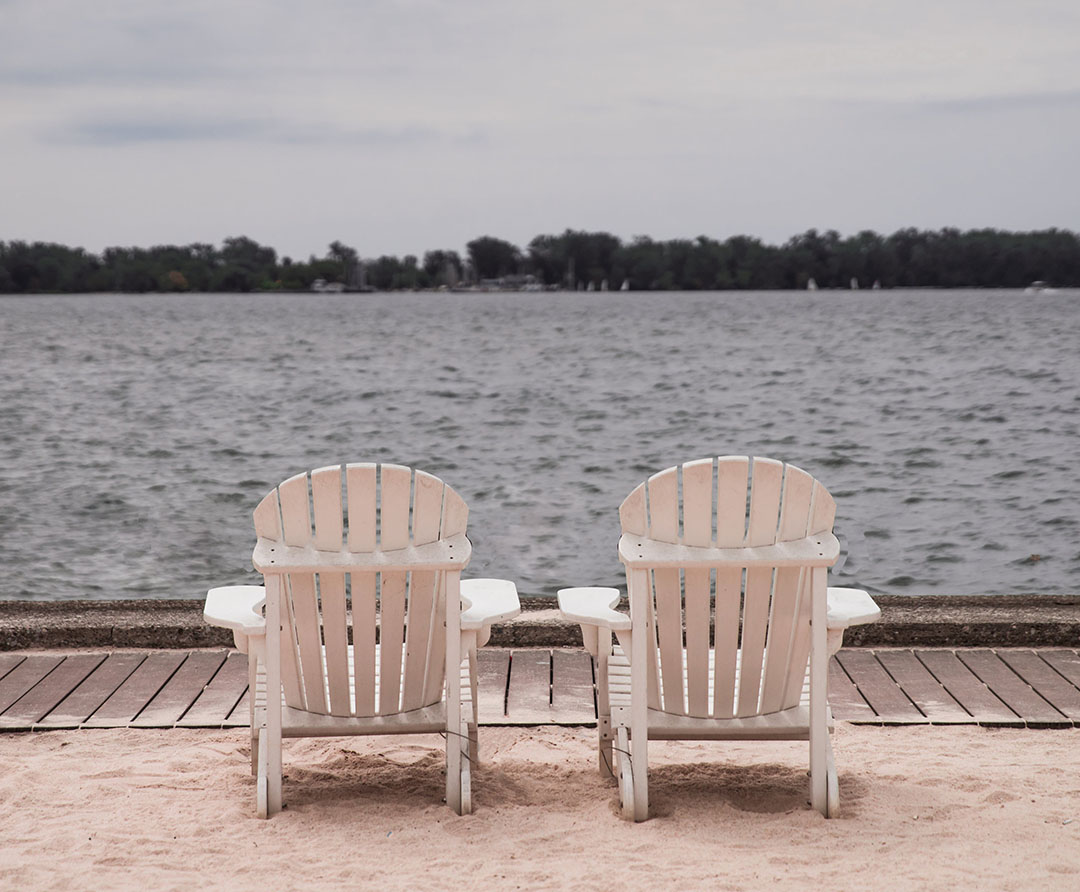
[133, 130]
[1036, 101]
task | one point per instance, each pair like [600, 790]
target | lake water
[138, 432]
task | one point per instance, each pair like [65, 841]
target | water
[138, 432]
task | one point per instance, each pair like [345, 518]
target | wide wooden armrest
[487, 601]
[237, 607]
[820, 550]
[274, 556]
[592, 606]
[850, 607]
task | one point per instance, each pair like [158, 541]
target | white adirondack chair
[727, 607]
[368, 627]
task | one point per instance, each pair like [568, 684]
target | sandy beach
[922, 808]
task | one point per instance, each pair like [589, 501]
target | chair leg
[253, 720]
[604, 754]
[474, 737]
[603, 711]
[466, 769]
[825, 797]
[262, 804]
[474, 744]
[832, 800]
[624, 774]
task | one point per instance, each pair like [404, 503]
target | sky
[407, 126]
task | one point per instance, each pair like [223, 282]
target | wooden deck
[535, 686]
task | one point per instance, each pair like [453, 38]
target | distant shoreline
[571, 262]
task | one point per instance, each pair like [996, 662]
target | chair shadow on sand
[411, 776]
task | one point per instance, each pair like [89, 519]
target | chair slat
[764, 502]
[295, 513]
[755, 625]
[632, 515]
[670, 633]
[653, 648]
[728, 606]
[697, 489]
[800, 642]
[395, 482]
[785, 606]
[732, 478]
[305, 614]
[435, 672]
[795, 509]
[360, 483]
[664, 506]
[824, 511]
[326, 504]
[362, 590]
[335, 631]
[417, 637]
[794, 520]
[696, 584]
[267, 517]
[290, 661]
[391, 639]
[455, 517]
[427, 508]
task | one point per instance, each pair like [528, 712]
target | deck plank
[94, 690]
[844, 698]
[573, 696]
[219, 698]
[966, 688]
[883, 694]
[8, 662]
[1046, 682]
[180, 691]
[528, 700]
[492, 675]
[241, 714]
[36, 703]
[1065, 662]
[1010, 687]
[24, 676]
[138, 689]
[927, 693]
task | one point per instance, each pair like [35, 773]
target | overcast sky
[400, 127]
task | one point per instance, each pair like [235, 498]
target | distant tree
[443, 268]
[492, 257]
[345, 256]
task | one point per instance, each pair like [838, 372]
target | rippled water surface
[138, 432]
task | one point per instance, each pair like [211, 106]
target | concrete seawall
[923, 621]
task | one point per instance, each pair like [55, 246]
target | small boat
[625, 285]
[854, 284]
[321, 286]
[1039, 287]
[811, 285]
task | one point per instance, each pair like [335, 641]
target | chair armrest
[592, 606]
[237, 607]
[850, 607]
[487, 601]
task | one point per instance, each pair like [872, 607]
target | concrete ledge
[925, 621]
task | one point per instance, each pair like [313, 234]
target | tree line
[946, 258]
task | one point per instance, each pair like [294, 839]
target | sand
[922, 808]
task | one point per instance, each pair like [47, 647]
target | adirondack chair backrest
[331, 620]
[757, 618]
